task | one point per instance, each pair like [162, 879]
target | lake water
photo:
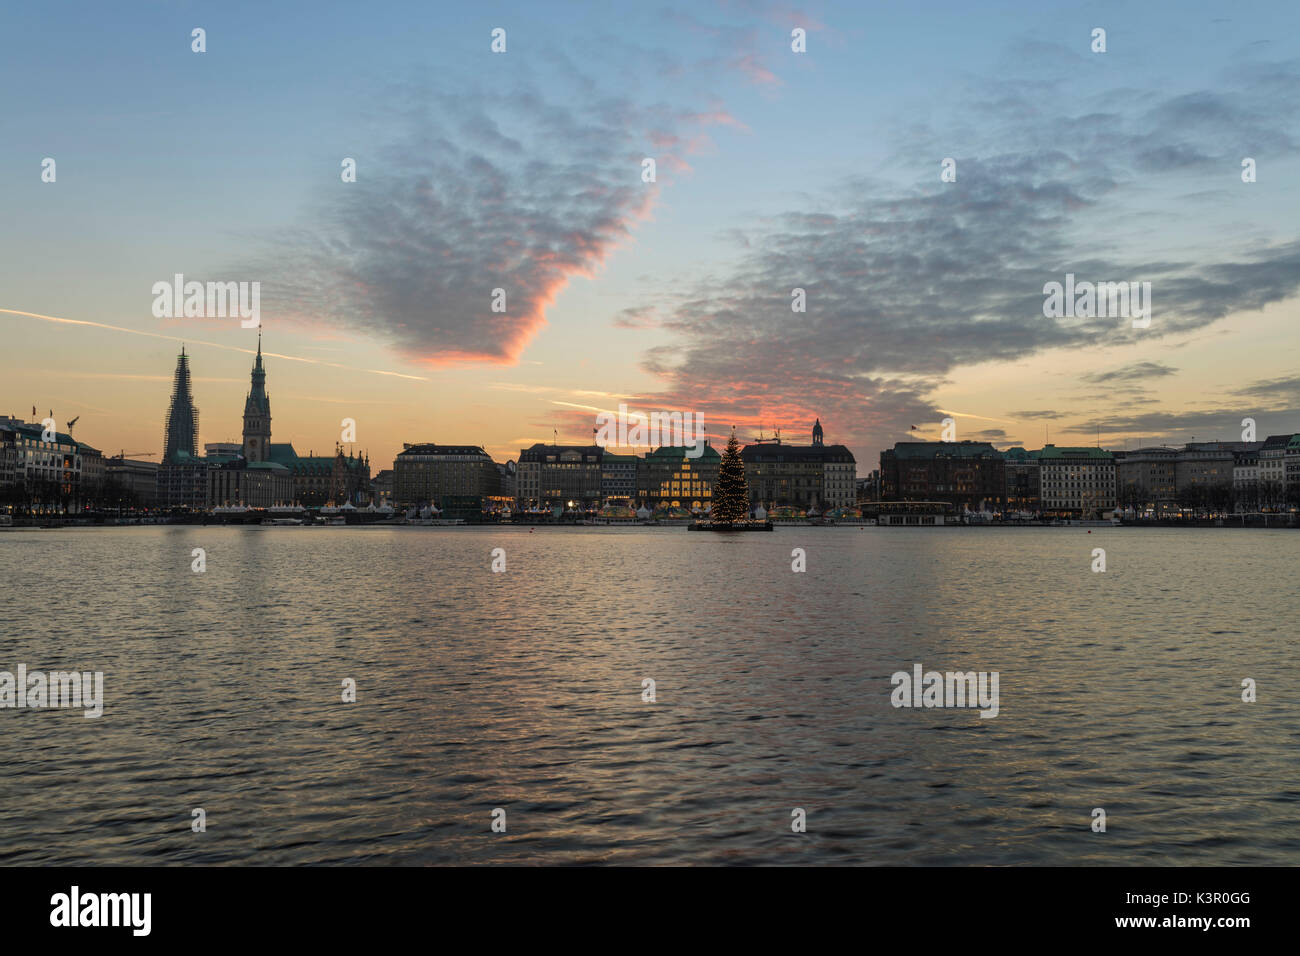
[523, 690]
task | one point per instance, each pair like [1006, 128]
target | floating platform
[737, 526]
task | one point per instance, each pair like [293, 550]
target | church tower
[257, 414]
[181, 433]
[817, 433]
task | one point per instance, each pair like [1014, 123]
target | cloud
[906, 284]
[1274, 389]
[1134, 372]
[640, 317]
[1046, 414]
[477, 192]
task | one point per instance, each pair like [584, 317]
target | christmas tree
[730, 491]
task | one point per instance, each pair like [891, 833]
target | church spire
[257, 413]
[182, 428]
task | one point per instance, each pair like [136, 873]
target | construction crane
[73, 422]
[136, 454]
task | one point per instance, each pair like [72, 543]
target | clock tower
[257, 414]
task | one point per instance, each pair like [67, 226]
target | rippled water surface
[522, 690]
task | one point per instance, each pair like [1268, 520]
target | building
[324, 479]
[43, 476]
[803, 476]
[618, 478]
[507, 486]
[255, 484]
[261, 473]
[182, 474]
[550, 475]
[868, 488]
[1203, 474]
[9, 474]
[1291, 470]
[1146, 479]
[92, 472]
[1078, 482]
[668, 477]
[181, 429]
[427, 473]
[183, 483]
[257, 413]
[966, 474]
[381, 487]
[1245, 478]
[1022, 479]
[132, 483]
[1272, 471]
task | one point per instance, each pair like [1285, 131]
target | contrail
[631, 414]
[214, 345]
[947, 411]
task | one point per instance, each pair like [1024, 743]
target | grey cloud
[1128, 373]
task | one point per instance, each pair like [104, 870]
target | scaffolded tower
[182, 433]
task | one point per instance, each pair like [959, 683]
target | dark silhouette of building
[802, 476]
[182, 429]
[964, 473]
[257, 414]
[182, 474]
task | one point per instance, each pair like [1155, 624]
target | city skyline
[710, 434]
[523, 171]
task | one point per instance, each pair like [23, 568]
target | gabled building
[324, 479]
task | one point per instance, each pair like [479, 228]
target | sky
[775, 170]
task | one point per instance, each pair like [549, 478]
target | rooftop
[951, 449]
[773, 452]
